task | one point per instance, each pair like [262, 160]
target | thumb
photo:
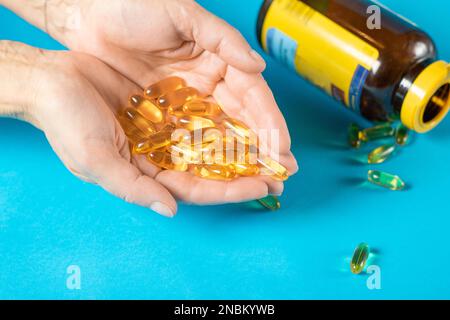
[215, 35]
[121, 178]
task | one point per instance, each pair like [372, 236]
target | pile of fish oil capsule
[392, 130]
[178, 129]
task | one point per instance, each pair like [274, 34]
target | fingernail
[162, 209]
[256, 56]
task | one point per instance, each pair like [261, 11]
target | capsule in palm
[195, 123]
[238, 128]
[165, 160]
[381, 154]
[270, 167]
[164, 86]
[381, 131]
[270, 202]
[246, 170]
[156, 141]
[215, 172]
[147, 108]
[201, 108]
[139, 121]
[177, 98]
[185, 152]
[131, 131]
[359, 258]
[386, 180]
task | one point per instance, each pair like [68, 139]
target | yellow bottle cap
[428, 100]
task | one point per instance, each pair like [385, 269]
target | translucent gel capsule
[156, 141]
[381, 131]
[177, 98]
[131, 131]
[381, 154]
[246, 170]
[353, 136]
[386, 180]
[239, 128]
[195, 123]
[402, 135]
[270, 167]
[139, 121]
[198, 137]
[147, 108]
[201, 108]
[359, 258]
[270, 202]
[186, 152]
[165, 160]
[215, 172]
[164, 86]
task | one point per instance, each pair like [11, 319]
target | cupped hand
[147, 40]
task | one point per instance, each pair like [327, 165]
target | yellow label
[319, 49]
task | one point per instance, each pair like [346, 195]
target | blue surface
[50, 220]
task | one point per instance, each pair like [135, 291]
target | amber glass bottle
[361, 53]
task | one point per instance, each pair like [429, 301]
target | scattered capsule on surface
[270, 167]
[147, 108]
[178, 97]
[139, 121]
[381, 154]
[246, 170]
[386, 180]
[381, 131]
[353, 136]
[164, 86]
[215, 172]
[270, 202]
[402, 135]
[167, 161]
[192, 123]
[359, 259]
[201, 108]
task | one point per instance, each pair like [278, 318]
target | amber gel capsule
[239, 128]
[133, 134]
[165, 160]
[164, 86]
[178, 97]
[186, 152]
[147, 108]
[195, 123]
[246, 170]
[201, 108]
[270, 167]
[156, 141]
[381, 131]
[270, 202]
[386, 180]
[359, 258]
[139, 121]
[381, 154]
[215, 172]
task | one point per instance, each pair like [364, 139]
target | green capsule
[270, 202]
[402, 135]
[380, 131]
[381, 154]
[353, 136]
[386, 180]
[393, 117]
[359, 258]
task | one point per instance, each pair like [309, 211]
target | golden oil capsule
[139, 121]
[156, 141]
[133, 133]
[195, 123]
[176, 111]
[177, 98]
[198, 137]
[185, 152]
[215, 172]
[165, 160]
[237, 127]
[270, 167]
[381, 131]
[246, 170]
[164, 86]
[381, 154]
[147, 108]
[201, 108]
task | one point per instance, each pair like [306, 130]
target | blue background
[50, 220]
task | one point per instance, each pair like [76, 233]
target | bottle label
[319, 49]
